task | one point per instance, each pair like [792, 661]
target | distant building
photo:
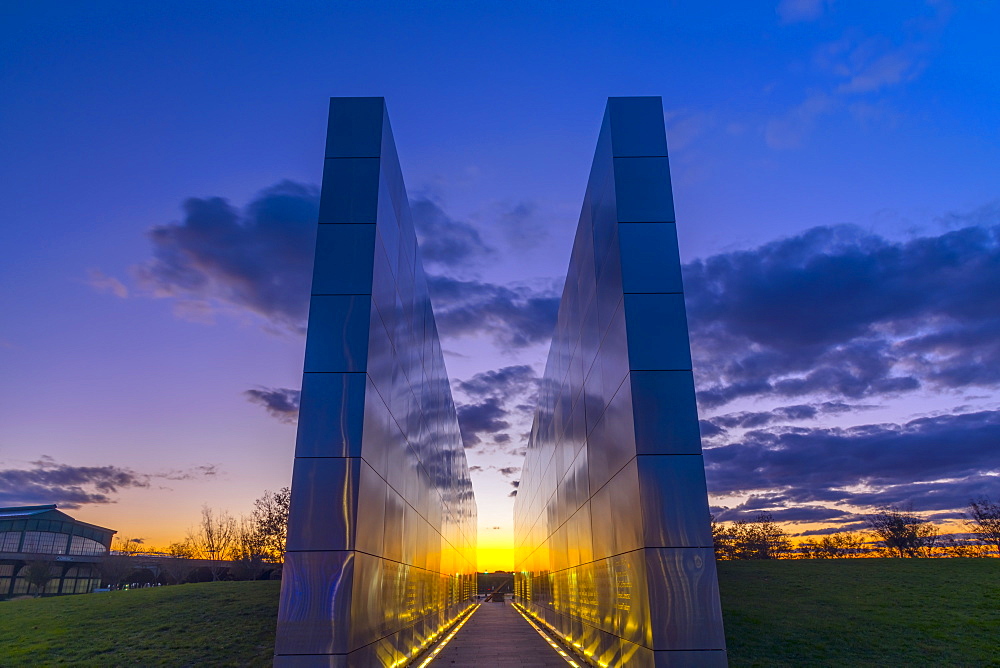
[74, 550]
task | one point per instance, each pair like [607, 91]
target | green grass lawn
[864, 612]
[209, 624]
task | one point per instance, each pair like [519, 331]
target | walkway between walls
[497, 636]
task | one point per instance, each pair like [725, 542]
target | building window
[86, 547]
[9, 541]
[21, 583]
[44, 542]
[6, 573]
[80, 580]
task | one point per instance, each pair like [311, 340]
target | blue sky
[782, 117]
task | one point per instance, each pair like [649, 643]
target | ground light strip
[563, 653]
[447, 638]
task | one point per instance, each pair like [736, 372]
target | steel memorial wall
[613, 546]
[382, 528]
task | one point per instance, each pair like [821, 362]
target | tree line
[220, 546]
[892, 531]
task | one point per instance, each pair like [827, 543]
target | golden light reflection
[552, 643]
[495, 555]
[447, 638]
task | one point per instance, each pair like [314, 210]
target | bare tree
[846, 545]
[213, 538]
[270, 515]
[722, 540]
[960, 546]
[39, 573]
[249, 549]
[177, 563]
[119, 563]
[760, 538]
[902, 532]
[983, 521]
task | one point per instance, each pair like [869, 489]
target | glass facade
[44, 542]
[612, 531]
[43, 533]
[47, 542]
[10, 541]
[80, 545]
[382, 526]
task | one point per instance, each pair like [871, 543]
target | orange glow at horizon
[495, 555]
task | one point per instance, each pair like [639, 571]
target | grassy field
[862, 612]
[209, 624]
[866, 612]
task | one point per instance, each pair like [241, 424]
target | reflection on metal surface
[447, 639]
[545, 636]
[613, 549]
[381, 540]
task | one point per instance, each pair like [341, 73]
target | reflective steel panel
[613, 546]
[382, 528]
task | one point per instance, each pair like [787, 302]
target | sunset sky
[836, 173]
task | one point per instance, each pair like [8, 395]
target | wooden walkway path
[497, 636]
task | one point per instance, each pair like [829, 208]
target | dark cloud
[478, 420]
[507, 381]
[48, 481]
[513, 316]
[709, 429]
[509, 470]
[515, 484]
[756, 419]
[850, 526]
[838, 312]
[258, 259]
[280, 402]
[774, 505]
[444, 241]
[937, 463]
[750, 420]
[491, 393]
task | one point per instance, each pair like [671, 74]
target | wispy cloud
[518, 223]
[101, 282]
[795, 11]
[789, 130]
[855, 71]
[48, 481]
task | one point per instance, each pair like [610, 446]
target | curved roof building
[74, 549]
